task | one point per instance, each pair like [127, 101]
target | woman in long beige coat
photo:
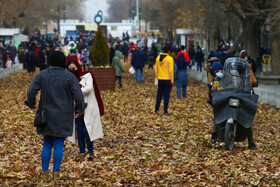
[89, 125]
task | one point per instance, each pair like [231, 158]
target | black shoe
[252, 146]
[91, 156]
[213, 138]
[165, 113]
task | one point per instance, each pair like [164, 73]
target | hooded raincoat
[116, 63]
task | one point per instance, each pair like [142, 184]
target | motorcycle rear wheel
[230, 133]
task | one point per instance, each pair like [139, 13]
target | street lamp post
[229, 28]
[137, 15]
[64, 11]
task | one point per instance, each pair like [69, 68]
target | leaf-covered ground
[140, 148]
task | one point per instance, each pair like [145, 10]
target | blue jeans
[83, 136]
[57, 145]
[120, 80]
[164, 89]
[184, 91]
[141, 74]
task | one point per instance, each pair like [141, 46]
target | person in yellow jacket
[164, 70]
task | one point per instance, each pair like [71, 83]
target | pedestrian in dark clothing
[32, 60]
[112, 54]
[191, 52]
[127, 36]
[48, 53]
[123, 36]
[60, 88]
[219, 55]
[43, 59]
[199, 58]
[254, 65]
[125, 52]
[181, 81]
[138, 62]
[13, 51]
[186, 54]
[21, 52]
[152, 57]
[1, 59]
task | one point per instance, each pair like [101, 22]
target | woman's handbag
[41, 118]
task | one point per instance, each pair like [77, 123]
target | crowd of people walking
[64, 80]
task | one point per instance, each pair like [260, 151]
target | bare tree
[118, 10]
[30, 14]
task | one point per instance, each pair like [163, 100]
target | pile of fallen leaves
[140, 148]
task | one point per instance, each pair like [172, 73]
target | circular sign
[98, 19]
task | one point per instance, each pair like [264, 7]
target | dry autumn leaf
[140, 148]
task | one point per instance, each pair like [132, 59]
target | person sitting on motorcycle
[217, 72]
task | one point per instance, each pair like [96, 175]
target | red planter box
[105, 78]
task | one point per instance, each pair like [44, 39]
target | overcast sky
[92, 6]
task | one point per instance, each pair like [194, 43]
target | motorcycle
[234, 103]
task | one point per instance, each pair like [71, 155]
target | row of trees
[30, 14]
[237, 20]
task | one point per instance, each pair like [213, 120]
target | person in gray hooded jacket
[61, 89]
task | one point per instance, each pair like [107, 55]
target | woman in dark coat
[138, 62]
[61, 90]
[182, 79]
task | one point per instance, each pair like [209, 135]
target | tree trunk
[213, 45]
[275, 54]
[251, 34]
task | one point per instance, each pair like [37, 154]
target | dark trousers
[83, 136]
[125, 57]
[30, 67]
[250, 136]
[120, 80]
[164, 89]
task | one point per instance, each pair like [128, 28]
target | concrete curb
[268, 94]
[8, 71]
[277, 100]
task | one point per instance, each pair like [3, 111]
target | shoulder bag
[41, 118]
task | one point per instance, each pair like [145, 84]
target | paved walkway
[268, 94]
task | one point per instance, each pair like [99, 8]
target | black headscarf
[58, 59]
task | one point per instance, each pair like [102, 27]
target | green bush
[100, 49]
